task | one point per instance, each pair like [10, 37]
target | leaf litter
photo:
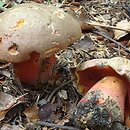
[105, 35]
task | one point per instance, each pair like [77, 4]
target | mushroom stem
[102, 104]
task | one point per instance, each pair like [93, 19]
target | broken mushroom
[30, 32]
[105, 84]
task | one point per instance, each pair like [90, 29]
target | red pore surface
[47, 69]
[90, 76]
[28, 71]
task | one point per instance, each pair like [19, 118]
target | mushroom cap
[34, 27]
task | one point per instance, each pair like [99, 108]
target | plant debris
[61, 96]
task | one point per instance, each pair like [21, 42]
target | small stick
[58, 88]
[43, 123]
[107, 26]
[110, 39]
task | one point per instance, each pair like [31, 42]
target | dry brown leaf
[11, 127]
[6, 102]
[2, 114]
[32, 113]
[124, 24]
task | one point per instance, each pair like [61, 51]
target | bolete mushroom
[30, 32]
[105, 84]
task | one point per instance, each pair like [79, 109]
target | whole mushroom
[31, 32]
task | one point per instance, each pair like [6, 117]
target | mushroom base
[95, 111]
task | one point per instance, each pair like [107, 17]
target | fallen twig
[110, 39]
[42, 123]
[58, 88]
[107, 26]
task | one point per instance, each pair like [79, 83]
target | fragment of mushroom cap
[102, 105]
[119, 64]
[90, 72]
[35, 27]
